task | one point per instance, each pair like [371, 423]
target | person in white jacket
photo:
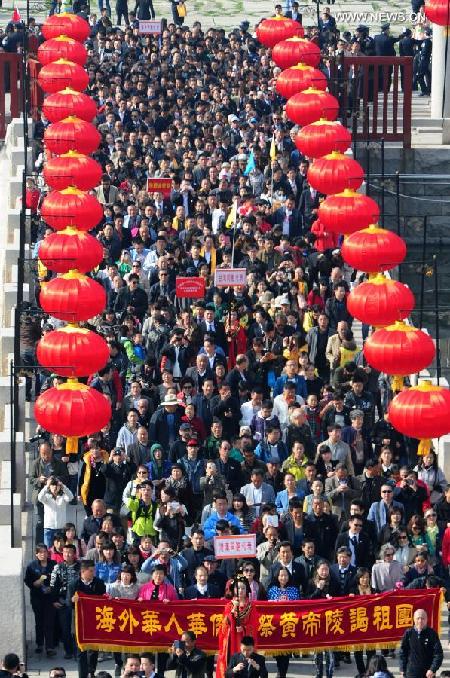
[55, 496]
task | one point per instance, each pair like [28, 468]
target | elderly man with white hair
[421, 651]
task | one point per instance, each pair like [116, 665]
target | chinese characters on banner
[370, 621]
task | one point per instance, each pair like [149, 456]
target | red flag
[16, 18]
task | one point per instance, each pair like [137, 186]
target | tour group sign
[350, 623]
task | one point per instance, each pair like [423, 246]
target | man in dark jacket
[247, 663]
[370, 483]
[421, 650]
[342, 573]
[165, 422]
[132, 299]
[187, 659]
[89, 585]
[321, 528]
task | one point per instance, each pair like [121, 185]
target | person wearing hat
[358, 398]
[384, 46]
[165, 422]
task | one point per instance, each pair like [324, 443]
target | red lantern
[373, 249]
[298, 78]
[323, 137]
[73, 410]
[72, 134]
[399, 349]
[70, 249]
[272, 30]
[73, 351]
[438, 12]
[290, 52]
[71, 25]
[380, 301]
[311, 105]
[62, 48]
[73, 297]
[62, 73]
[334, 173]
[68, 102]
[71, 207]
[72, 169]
[348, 212]
[422, 412]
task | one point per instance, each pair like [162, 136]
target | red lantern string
[72, 409]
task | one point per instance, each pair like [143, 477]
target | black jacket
[92, 525]
[137, 298]
[298, 573]
[192, 592]
[364, 548]
[323, 532]
[117, 477]
[193, 665]
[343, 585]
[249, 671]
[159, 430]
[96, 587]
[418, 654]
[33, 573]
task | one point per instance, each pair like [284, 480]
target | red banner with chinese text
[376, 621]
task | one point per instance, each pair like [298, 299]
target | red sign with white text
[159, 185]
[190, 288]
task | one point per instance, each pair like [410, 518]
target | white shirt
[286, 222]
[281, 410]
[248, 411]
[55, 508]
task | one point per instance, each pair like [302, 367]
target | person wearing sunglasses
[387, 573]
[379, 511]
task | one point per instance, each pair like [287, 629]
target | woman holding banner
[239, 620]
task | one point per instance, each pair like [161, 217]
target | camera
[37, 437]
[179, 644]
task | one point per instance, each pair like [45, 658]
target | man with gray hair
[421, 652]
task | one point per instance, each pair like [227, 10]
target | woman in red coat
[325, 240]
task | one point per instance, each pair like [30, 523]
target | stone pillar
[440, 80]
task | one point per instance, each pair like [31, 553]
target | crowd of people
[251, 410]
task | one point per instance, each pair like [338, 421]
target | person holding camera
[186, 658]
[247, 662]
[54, 496]
[42, 468]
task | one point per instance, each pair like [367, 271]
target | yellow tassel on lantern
[397, 383]
[424, 447]
[72, 445]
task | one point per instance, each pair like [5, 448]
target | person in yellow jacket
[141, 509]
[296, 462]
[92, 483]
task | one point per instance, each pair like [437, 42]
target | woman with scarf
[92, 482]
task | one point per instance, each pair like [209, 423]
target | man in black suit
[342, 573]
[213, 327]
[286, 559]
[132, 299]
[202, 588]
[357, 542]
[309, 204]
[294, 13]
[178, 356]
[247, 663]
[239, 374]
[289, 218]
[187, 659]
[195, 554]
[200, 373]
